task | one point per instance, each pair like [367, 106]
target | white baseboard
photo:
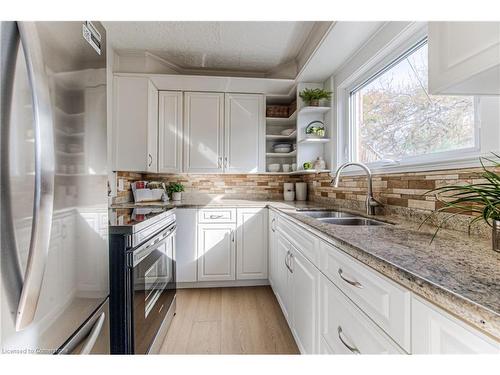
[221, 284]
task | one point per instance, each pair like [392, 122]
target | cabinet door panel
[134, 129]
[436, 332]
[281, 278]
[186, 258]
[272, 244]
[152, 126]
[251, 244]
[203, 127]
[170, 132]
[216, 252]
[305, 292]
[464, 58]
[244, 133]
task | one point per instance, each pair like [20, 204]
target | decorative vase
[495, 236]
[176, 196]
[314, 103]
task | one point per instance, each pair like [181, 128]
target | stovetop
[131, 220]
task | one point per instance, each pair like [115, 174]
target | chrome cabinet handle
[273, 228]
[216, 216]
[225, 162]
[287, 261]
[351, 282]
[150, 158]
[219, 162]
[291, 262]
[232, 236]
[352, 349]
[93, 335]
[44, 175]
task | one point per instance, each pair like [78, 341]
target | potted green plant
[175, 189]
[481, 198]
[312, 96]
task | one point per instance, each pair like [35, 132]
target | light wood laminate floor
[245, 320]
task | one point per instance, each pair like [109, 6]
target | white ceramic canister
[289, 195]
[301, 191]
[288, 191]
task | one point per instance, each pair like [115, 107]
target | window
[393, 118]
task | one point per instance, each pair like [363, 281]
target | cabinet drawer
[385, 302]
[305, 242]
[345, 329]
[217, 215]
[437, 332]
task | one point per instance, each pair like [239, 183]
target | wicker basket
[277, 110]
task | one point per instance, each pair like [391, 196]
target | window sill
[470, 161]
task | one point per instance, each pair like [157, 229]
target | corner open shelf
[309, 171]
[311, 109]
[306, 149]
[314, 140]
[281, 155]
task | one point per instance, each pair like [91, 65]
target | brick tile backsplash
[401, 194]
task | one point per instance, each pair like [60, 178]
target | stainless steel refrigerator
[54, 220]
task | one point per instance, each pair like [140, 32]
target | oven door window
[154, 290]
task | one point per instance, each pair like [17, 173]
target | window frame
[383, 60]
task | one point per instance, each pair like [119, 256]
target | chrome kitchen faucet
[371, 203]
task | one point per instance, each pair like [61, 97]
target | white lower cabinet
[251, 244]
[384, 301]
[186, 252]
[272, 243]
[334, 304]
[216, 252]
[345, 328]
[231, 245]
[304, 302]
[436, 332]
[282, 275]
[296, 284]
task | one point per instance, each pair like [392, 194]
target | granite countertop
[456, 272]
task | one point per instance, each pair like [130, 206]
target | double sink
[340, 218]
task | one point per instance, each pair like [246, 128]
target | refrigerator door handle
[12, 274]
[44, 175]
[93, 335]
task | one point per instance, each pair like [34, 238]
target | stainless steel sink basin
[353, 221]
[325, 214]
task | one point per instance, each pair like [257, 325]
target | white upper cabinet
[135, 130]
[464, 58]
[244, 133]
[251, 244]
[170, 132]
[203, 132]
[437, 332]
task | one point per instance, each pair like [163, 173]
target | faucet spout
[371, 203]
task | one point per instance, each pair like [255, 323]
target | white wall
[384, 45]
[374, 49]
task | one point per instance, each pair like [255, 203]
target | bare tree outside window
[395, 116]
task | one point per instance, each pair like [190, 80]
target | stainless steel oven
[152, 287]
[142, 281]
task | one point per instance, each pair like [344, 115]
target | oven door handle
[139, 254]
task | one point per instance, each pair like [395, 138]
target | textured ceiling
[237, 46]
